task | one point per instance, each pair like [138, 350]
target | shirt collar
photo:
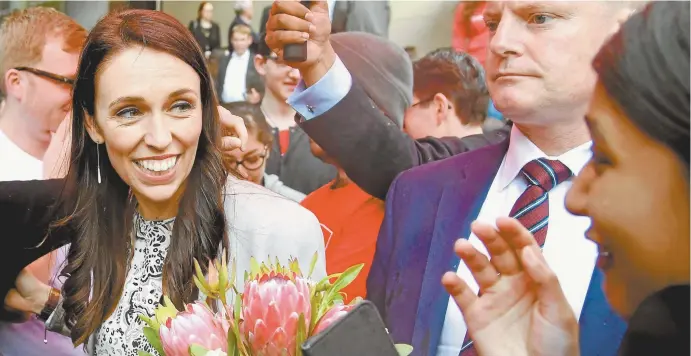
[522, 150]
[241, 56]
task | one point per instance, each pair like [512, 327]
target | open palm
[521, 309]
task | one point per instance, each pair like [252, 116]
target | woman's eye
[181, 106]
[128, 113]
[491, 25]
[251, 159]
[540, 19]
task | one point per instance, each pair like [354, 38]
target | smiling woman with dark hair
[146, 191]
[635, 190]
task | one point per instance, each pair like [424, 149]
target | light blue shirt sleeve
[323, 95]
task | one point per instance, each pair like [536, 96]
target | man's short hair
[262, 48]
[242, 29]
[458, 76]
[23, 35]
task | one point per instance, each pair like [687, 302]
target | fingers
[502, 255]
[515, 233]
[231, 143]
[459, 290]
[549, 290]
[234, 124]
[15, 302]
[483, 272]
[277, 39]
[291, 7]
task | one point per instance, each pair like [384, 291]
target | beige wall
[423, 24]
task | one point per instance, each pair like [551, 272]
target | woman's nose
[158, 133]
[577, 198]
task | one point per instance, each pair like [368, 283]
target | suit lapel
[459, 205]
[221, 78]
[601, 329]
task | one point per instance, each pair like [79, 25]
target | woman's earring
[98, 163]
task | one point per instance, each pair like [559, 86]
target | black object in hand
[361, 332]
[296, 52]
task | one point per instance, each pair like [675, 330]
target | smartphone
[296, 52]
[360, 332]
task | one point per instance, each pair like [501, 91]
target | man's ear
[259, 62]
[92, 129]
[441, 107]
[14, 83]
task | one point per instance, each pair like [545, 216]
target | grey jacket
[261, 224]
[274, 184]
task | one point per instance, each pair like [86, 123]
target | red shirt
[354, 217]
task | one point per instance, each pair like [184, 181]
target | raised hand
[28, 297]
[290, 22]
[521, 309]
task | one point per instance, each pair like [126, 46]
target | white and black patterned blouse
[121, 333]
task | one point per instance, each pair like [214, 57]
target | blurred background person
[290, 159]
[449, 96]
[205, 31]
[243, 16]
[39, 52]
[352, 216]
[470, 34]
[236, 68]
[251, 163]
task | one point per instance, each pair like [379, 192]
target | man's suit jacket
[363, 16]
[427, 209]
[373, 150]
[223, 68]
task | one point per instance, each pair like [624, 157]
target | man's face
[47, 101]
[240, 42]
[539, 60]
[279, 79]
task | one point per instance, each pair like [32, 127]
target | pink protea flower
[271, 308]
[196, 325]
[336, 312]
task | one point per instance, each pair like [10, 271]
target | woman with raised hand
[146, 191]
[635, 189]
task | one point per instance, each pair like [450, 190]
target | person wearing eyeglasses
[251, 163]
[39, 52]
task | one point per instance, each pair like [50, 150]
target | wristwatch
[51, 304]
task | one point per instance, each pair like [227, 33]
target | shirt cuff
[323, 95]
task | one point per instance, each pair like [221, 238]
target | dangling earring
[98, 163]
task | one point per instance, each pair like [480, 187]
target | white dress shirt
[567, 251]
[234, 84]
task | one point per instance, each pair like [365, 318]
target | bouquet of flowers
[279, 309]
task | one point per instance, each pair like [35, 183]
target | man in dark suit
[243, 16]
[236, 68]
[539, 78]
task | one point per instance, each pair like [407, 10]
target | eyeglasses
[41, 73]
[251, 163]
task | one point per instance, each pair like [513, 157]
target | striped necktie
[532, 207]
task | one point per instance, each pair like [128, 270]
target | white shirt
[234, 84]
[15, 164]
[27, 338]
[567, 251]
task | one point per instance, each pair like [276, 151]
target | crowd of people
[524, 191]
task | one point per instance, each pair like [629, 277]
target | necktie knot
[545, 173]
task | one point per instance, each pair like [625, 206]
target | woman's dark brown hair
[103, 212]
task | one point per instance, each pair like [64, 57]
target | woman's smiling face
[148, 113]
[636, 192]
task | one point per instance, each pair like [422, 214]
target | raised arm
[338, 115]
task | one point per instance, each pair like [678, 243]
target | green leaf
[223, 281]
[200, 276]
[301, 334]
[198, 350]
[200, 286]
[153, 323]
[403, 349]
[232, 342]
[143, 353]
[254, 267]
[313, 263]
[166, 311]
[153, 338]
[347, 277]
